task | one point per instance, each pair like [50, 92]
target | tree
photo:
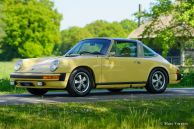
[178, 31]
[128, 26]
[96, 27]
[102, 28]
[32, 28]
[70, 37]
[99, 28]
[2, 24]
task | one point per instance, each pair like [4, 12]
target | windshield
[90, 46]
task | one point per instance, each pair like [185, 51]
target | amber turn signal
[50, 77]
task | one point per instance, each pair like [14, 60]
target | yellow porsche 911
[107, 63]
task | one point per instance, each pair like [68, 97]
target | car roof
[125, 40]
[115, 39]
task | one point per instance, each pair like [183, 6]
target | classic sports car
[107, 63]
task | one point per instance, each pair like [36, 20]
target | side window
[147, 52]
[124, 49]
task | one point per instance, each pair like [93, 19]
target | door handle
[138, 62]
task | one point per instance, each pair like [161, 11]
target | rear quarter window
[148, 52]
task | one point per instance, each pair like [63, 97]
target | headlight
[18, 65]
[54, 65]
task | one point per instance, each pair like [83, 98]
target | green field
[177, 113]
[5, 69]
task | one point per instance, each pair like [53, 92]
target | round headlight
[18, 65]
[54, 65]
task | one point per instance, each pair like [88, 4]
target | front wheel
[80, 82]
[157, 82]
[38, 92]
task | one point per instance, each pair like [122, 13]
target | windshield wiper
[72, 55]
[93, 53]
[84, 53]
[97, 53]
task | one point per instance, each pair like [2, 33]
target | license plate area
[26, 84]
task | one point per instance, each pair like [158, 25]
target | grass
[5, 69]
[177, 113]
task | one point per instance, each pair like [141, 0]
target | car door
[123, 65]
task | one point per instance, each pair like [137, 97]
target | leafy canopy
[2, 24]
[99, 28]
[32, 28]
[176, 32]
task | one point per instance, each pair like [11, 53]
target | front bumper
[38, 80]
[32, 76]
[175, 78]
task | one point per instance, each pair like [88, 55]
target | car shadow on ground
[93, 93]
[105, 93]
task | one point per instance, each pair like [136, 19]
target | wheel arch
[160, 68]
[90, 70]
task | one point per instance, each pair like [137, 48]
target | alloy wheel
[158, 80]
[81, 82]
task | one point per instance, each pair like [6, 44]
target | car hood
[41, 65]
[37, 64]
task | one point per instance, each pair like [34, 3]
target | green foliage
[5, 71]
[174, 33]
[188, 73]
[128, 26]
[32, 28]
[98, 28]
[161, 7]
[2, 24]
[167, 37]
[70, 37]
[184, 12]
[104, 29]
[188, 61]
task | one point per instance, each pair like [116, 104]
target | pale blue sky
[82, 12]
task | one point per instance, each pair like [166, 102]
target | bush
[188, 79]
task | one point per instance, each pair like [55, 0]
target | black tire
[80, 82]
[115, 90]
[157, 81]
[38, 92]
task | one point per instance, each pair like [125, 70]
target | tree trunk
[182, 57]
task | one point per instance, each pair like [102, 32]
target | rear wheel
[80, 82]
[157, 82]
[115, 90]
[37, 91]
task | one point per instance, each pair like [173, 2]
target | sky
[82, 12]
